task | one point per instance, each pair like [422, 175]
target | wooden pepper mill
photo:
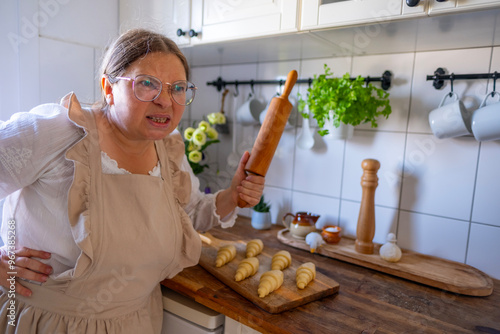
[366, 220]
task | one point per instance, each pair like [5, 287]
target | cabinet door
[236, 19]
[449, 6]
[436, 7]
[478, 4]
[165, 16]
[332, 13]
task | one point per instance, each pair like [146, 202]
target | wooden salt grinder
[366, 220]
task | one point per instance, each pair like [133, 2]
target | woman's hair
[131, 46]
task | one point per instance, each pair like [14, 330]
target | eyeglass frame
[194, 88]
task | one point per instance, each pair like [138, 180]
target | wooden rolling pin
[270, 132]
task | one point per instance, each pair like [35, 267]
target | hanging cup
[486, 120]
[451, 119]
[248, 112]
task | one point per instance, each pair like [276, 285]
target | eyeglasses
[147, 88]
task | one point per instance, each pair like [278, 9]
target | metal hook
[281, 84]
[452, 77]
[494, 84]
[237, 92]
[367, 81]
[251, 87]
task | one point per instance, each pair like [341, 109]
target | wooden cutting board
[425, 269]
[284, 298]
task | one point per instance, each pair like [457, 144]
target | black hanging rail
[439, 77]
[385, 79]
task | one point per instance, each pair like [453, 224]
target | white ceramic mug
[486, 120]
[248, 112]
[451, 119]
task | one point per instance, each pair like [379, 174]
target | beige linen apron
[133, 233]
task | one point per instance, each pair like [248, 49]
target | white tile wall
[95, 25]
[59, 71]
[9, 39]
[439, 175]
[439, 236]
[483, 249]
[388, 149]
[439, 196]
[487, 191]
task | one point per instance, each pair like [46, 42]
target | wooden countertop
[368, 301]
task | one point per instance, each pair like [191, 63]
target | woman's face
[138, 120]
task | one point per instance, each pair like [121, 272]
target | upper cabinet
[165, 16]
[333, 13]
[204, 21]
[235, 19]
[446, 6]
[192, 22]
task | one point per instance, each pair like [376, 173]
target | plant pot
[344, 131]
[261, 220]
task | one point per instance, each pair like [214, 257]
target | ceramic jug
[302, 224]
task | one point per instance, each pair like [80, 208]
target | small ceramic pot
[331, 234]
[261, 220]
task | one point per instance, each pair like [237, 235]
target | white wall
[52, 47]
[439, 196]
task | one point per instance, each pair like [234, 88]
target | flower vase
[261, 220]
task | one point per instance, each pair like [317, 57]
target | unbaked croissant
[305, 273]
[269, 281]
[224, 255]
[246, 268]
[281, 260]
[254, 247]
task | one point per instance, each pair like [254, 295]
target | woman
[101, 204]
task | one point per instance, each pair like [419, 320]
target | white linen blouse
[35, 178]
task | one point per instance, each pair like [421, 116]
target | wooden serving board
[429, 270]
[284, 298]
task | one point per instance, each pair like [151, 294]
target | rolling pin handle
[291, 79]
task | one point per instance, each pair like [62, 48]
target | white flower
[188, 133]
[204, 126]
[199, 137]
[212, 133]
[195, 156]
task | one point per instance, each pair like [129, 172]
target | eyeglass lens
[148, 88]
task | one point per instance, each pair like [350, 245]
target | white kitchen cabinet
[334, 13]
[164, 16]
[450, 6]
[224, 20]
[205, 21]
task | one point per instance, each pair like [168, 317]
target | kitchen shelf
[429, 270]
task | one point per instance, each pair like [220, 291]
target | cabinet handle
[180, 32]
[441, 0]
[193, 33]
[412, 3]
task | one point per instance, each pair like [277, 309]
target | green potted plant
[261, 215]
[338, 101]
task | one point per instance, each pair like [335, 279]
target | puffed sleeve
[201, 207]
[30, 142]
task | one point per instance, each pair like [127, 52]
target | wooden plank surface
[436, 272]
[286, 297]
[368, 301]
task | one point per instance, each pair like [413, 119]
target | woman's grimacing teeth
[158, 119]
